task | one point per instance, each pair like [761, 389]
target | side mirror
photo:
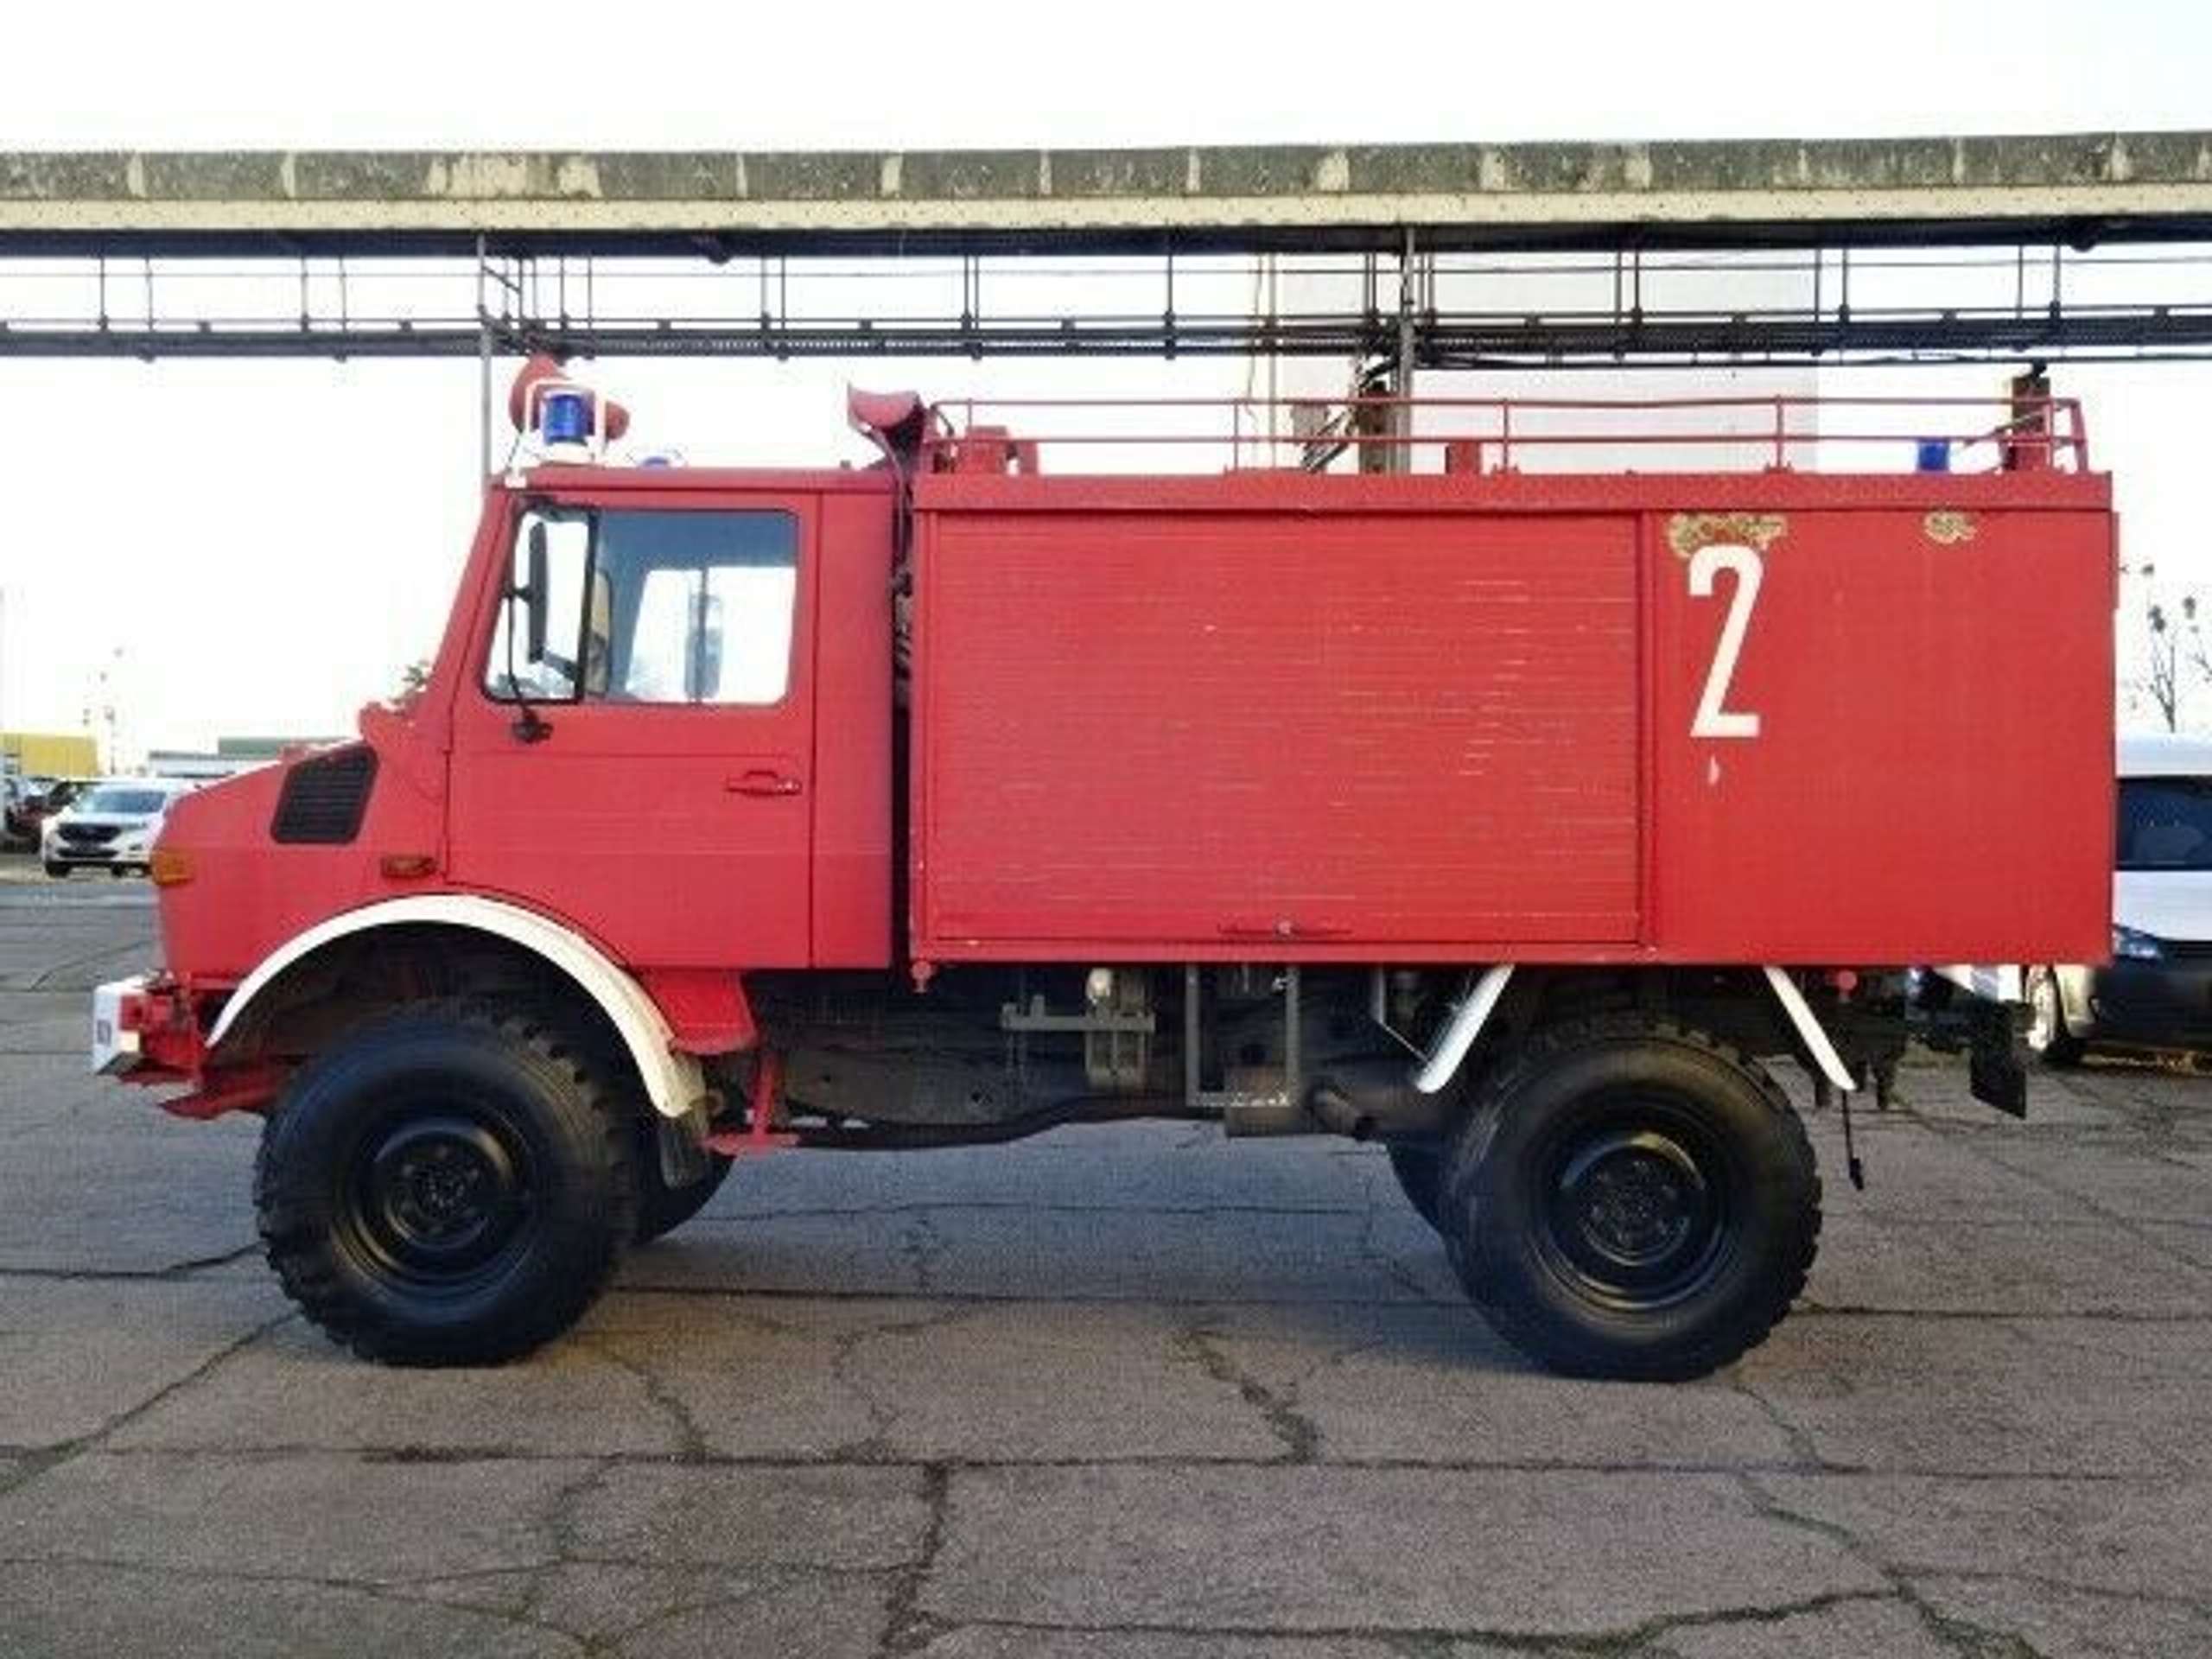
[536, 584]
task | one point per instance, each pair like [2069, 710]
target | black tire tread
[1492, 1293]
[303, 1268]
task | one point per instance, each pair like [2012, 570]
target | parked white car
[2157, 989]
[112, 826]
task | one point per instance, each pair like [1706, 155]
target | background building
[229, 756]
[52, 754]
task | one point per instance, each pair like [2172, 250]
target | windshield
[2165, 823]
[124, 803]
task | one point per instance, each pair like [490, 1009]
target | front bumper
[144, 1031]
[119, 1010]
[2167, 1003]
[125, 850]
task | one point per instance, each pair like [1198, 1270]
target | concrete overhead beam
[2079, 186]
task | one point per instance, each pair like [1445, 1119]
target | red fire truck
[1403, 783]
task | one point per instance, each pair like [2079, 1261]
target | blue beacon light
[564, 416]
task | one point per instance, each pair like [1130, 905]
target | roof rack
[1476, 436]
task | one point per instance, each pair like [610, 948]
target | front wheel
[59, 871]
[452, 1183]
[1629, 1198]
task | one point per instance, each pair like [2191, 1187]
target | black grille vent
[324, 797]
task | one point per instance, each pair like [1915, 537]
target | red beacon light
[557, 418]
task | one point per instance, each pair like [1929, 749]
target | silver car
[111, 826]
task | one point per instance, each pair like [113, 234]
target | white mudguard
[673, 1081]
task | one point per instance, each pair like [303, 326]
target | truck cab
[639, 750]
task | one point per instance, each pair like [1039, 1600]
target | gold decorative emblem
[1947, 526]
[1688, 531]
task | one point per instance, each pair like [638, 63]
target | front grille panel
[89, 834]
[324, 797]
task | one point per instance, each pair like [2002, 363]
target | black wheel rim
[1636, 1210]
[436, 1195]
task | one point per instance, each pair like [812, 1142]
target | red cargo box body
[1721, 718]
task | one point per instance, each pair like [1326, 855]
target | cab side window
[648, 606]
[703, 605]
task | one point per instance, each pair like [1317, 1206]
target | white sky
[266, 545]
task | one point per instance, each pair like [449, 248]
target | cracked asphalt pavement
[1115, 1392]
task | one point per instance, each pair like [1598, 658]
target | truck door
[635, 751]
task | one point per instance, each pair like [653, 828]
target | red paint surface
[705, 1008]
[1170, 729]
[1933, 777]
[1450, 718]
[852, 855]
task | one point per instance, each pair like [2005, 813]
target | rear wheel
[451, 1185]
[2047, 1033]
[1632, 1199]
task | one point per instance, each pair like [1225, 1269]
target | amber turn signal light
[407, 867]
[168, 868]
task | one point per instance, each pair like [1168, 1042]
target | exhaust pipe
[1363, 1099]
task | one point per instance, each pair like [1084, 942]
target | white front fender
[673, 1081]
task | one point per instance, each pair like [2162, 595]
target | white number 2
[1713, 718]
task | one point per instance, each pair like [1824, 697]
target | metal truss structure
[2080, 245]
[1447, 310]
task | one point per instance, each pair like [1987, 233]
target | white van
[2158, 989]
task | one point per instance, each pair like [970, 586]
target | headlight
[2131, 945]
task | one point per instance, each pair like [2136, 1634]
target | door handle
[1284, 929]
[763, 782]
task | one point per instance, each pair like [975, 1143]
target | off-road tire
[1631, 1198]
[2047, 1034]
[1419, 1170]
[360, 1163]
[662, 1208]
